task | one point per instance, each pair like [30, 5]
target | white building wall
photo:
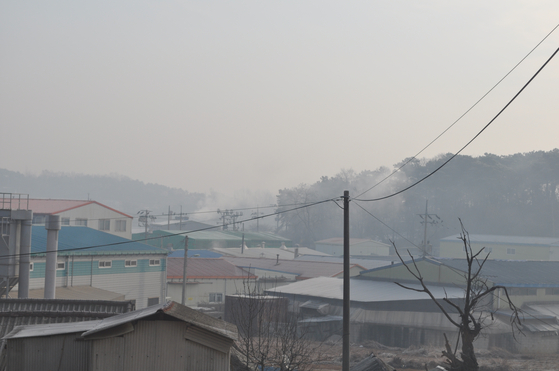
[93, 213]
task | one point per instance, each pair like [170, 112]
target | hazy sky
[230, 95]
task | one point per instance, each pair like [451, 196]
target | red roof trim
[85, 203]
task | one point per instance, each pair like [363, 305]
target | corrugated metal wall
[63, 353]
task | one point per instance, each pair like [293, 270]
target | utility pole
[257, 216]
[143, 220]
[169, 218]
[345, 354]
[425, 220]
[183, 301]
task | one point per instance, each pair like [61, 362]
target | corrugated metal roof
[54, 206]
[16, 312]
[197, 253]
[365, 263]
[363, 290]
[204, 268]
[267, 252]
[305, 269]
[515, 273]
[90, 328]
[78, 237]
[75, 293]
[339, 241]
[508, 240]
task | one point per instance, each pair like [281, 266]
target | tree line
[498, 195]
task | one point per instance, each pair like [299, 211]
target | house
[357, 247]
[161, 337]
[85, 213]
[208, 280]
[503, 247]
[87, 258]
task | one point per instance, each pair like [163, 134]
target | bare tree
[269, 336]
[472, 311]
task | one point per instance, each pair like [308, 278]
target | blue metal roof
[76, 240]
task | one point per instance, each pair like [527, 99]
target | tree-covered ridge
[120, 192]
[499, 195]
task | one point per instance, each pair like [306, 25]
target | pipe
[24, 258]
[52, 226]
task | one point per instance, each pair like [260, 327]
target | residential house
[161, 337]
[85, 213]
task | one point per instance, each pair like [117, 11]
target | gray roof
[508, 240]
[302, 268]
[90, 328]
[365, 263]
[514, 273]
[18, 312]
[363, 290]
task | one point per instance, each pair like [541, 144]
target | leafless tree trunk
[268, 334]
[471, 313]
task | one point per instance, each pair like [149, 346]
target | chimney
[52, 226]
[24, 257]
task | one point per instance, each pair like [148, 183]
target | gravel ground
[416, 359]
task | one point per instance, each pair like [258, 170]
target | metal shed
[161, 337]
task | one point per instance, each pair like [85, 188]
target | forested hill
[500, 195]
[119, 192]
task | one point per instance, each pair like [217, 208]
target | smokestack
[52, 226]
[24, 257]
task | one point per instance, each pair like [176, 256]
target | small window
[31, 266]
[154, 262]
[81, 221]
[216, 297]
[511, 251]
[60, 266]
[120, 226]
[105, 264]
[104, 224]
[552, 291]
[153, 301]
[65, 221]
[130, 263]
[522, 291]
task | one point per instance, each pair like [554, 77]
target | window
[154, 262]
[130, 263]
[523, 291]
[81, 221]
[105, 264]
[30, 267]
[216, 297]
[104, 224]
[60, 266]
[552, 291]
[153, 301]
[511, 251]
[120, 226]
[65, 221]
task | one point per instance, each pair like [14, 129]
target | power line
[179, 233]
[471, 140]
[461, 116]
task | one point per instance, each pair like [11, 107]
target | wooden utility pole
[345, 354]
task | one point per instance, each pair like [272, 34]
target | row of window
[104, 224]
[107, 264]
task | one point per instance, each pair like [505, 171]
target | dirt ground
[414, 359]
